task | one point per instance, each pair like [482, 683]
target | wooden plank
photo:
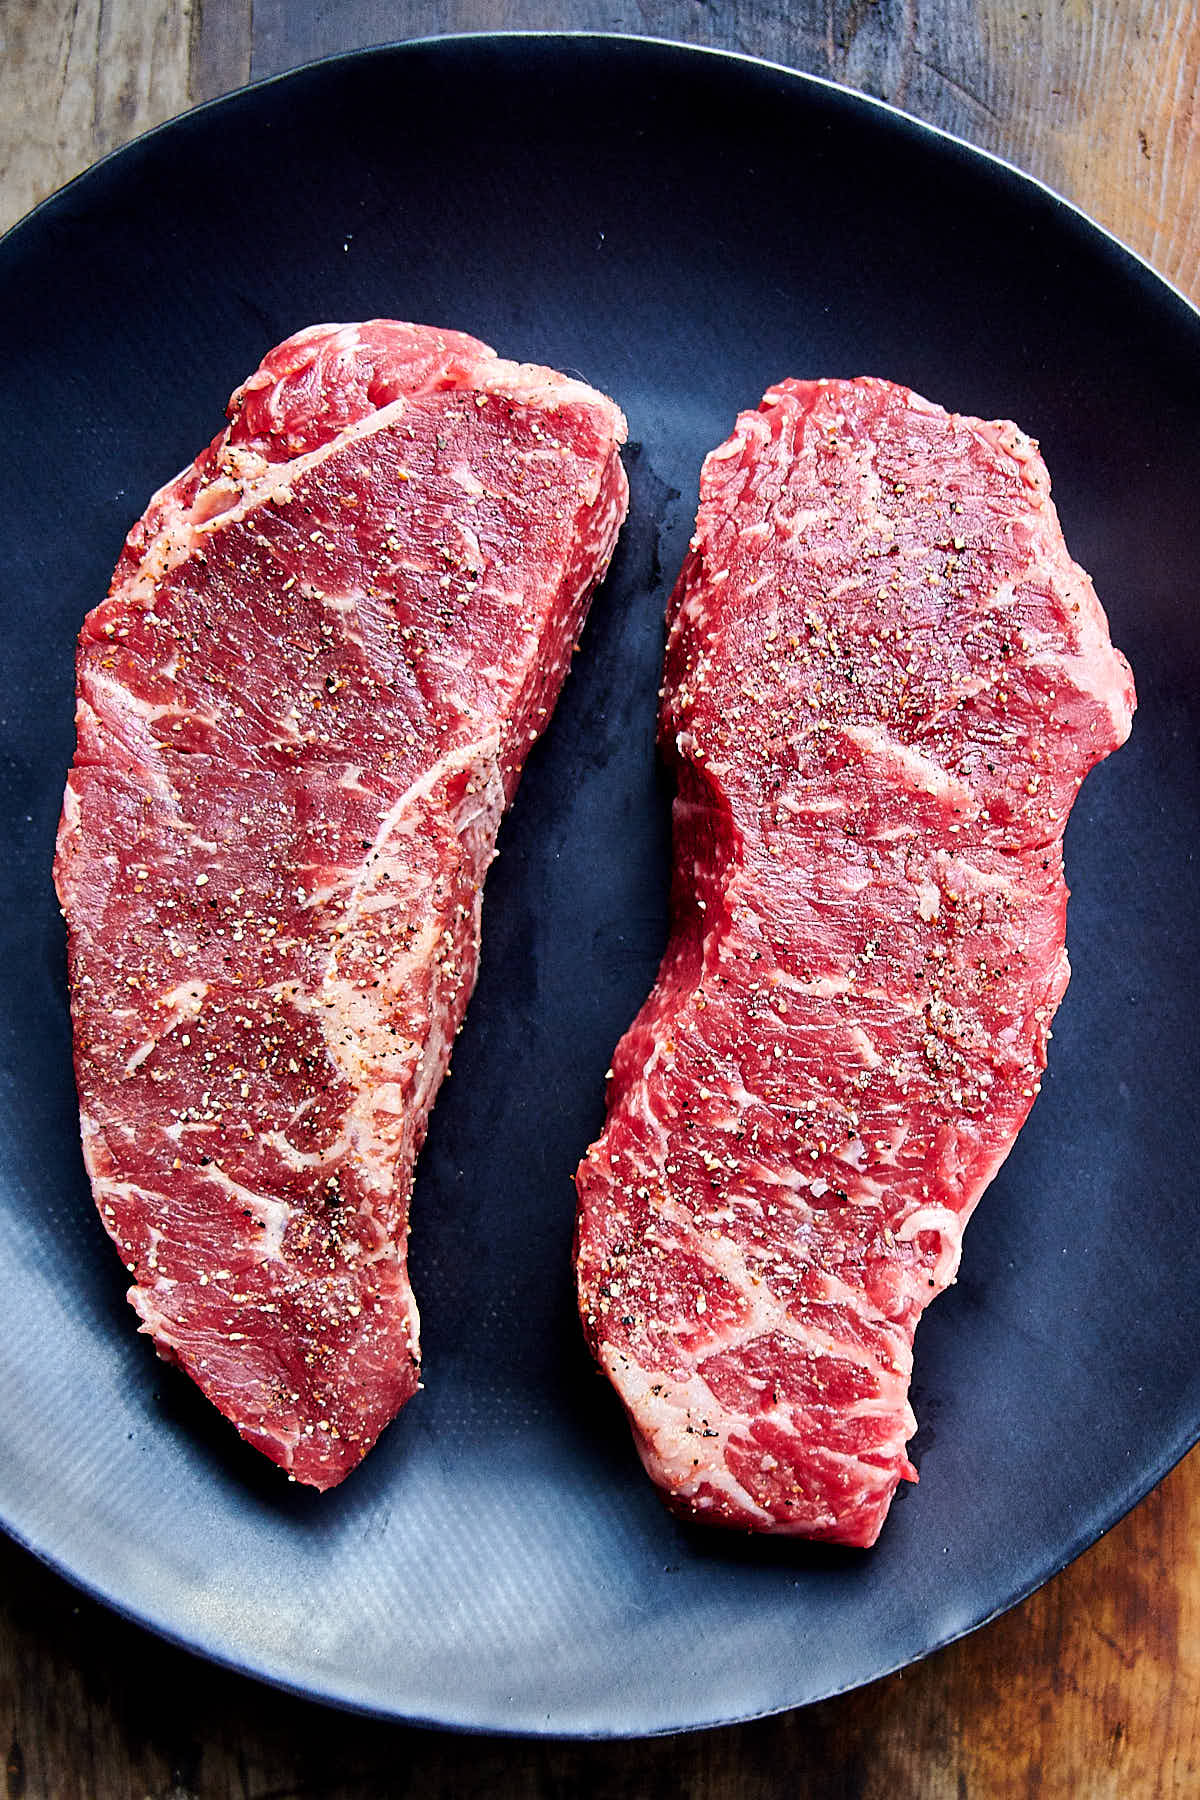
[219, 47]
[80, 77]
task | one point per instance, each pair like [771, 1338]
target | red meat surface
[302, 709]
[885, 682]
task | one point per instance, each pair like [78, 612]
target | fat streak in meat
[885, 682]
[302, 709]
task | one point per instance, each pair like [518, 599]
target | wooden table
[1092, 1687]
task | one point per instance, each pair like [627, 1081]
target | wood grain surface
[1092, 1687]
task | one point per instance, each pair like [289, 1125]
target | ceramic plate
[681, 228]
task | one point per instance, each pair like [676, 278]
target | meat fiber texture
[302, 709]
[885, 682]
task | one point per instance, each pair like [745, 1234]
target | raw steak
[885, 682]
[302, 709]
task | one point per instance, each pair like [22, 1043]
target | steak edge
[885, 682]
[302, 709]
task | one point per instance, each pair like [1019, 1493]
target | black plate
[682, 228]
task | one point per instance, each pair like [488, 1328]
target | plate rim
[806, 77]
[262, 1669]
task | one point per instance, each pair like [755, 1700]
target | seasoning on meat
[302, 709]
[885, 682]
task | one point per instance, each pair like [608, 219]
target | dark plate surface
[681, 228]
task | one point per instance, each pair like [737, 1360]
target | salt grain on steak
[302, 709]
[885, 682]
